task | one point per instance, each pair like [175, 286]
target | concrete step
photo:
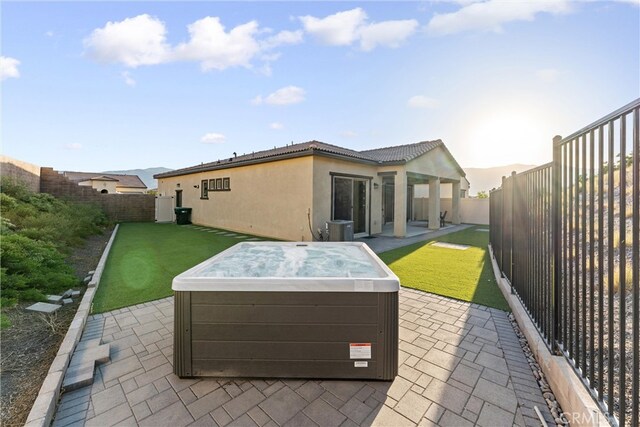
[98, 354]
[43, 307]
[81, 368]
[78, 376]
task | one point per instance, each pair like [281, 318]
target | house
[108, 183]
[290, 192]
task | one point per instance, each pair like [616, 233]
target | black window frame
[204, 189]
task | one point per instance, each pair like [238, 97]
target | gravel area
[548, 395]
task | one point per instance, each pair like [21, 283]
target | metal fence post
[556, 226]
[504, 180]
[512, 278]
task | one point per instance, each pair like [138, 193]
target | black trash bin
[183, 216]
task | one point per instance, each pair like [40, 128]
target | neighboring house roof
[381, 156]
[132, 181]
[99, 178]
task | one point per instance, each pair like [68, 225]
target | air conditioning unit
[340, 230]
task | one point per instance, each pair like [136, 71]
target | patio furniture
[442, 217]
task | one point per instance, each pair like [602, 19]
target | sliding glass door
[351, 202]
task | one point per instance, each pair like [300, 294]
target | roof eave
[230, 165]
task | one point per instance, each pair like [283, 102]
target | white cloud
[548, 75]
[348, 134]
[73, 146]
[9, 68]
[133, 42]
[217, 49]
[49, 34]
[276, 126]
[213, 138]
[350, 26]
[421, 101]
[129, 81]
[386, 33]
[492, 14]
[284, 96]
[283, 38]
[339, 29]
[142, 40]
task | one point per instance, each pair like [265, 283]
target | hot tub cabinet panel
[286, 334]
[288, 310]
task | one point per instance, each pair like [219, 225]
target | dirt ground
[28, 347]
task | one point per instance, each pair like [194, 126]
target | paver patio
[460, 364]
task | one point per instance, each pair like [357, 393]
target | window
[463, 194]
[219, 184]
[204, 189]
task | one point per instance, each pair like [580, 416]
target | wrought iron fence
[566, 236]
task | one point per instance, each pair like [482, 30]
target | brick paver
[460, 364]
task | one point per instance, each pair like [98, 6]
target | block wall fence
[27, 173]
[117, 207]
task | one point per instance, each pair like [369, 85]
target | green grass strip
[145, 257]
[465, 275]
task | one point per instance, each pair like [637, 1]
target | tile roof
[309, 147]
[132, 181]
[388, 155]
[401, 153]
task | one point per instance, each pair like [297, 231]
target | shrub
[31, 268]
[15, 189]
[37, 230]
[4, 321]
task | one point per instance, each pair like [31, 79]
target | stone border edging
[578, 405]
[45, 403]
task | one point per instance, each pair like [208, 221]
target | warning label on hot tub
[360, 350]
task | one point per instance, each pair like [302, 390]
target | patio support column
[455, 203]
[400, 205]
[434, 203]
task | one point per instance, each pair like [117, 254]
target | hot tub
[290, 310]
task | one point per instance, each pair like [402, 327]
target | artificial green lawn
[464, 275]
[145, 257]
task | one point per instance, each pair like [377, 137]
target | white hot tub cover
[291, 267]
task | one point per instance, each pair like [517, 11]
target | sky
[96, 86]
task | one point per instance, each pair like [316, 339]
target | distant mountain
[146, 175]
[484, 179]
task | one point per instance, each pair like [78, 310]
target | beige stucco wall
[472, 211]
[438, 163]
[322, 169]
[422, 190]
[268, 199]
[98, 185]
[132, 190]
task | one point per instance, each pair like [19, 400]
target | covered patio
[398, 189]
